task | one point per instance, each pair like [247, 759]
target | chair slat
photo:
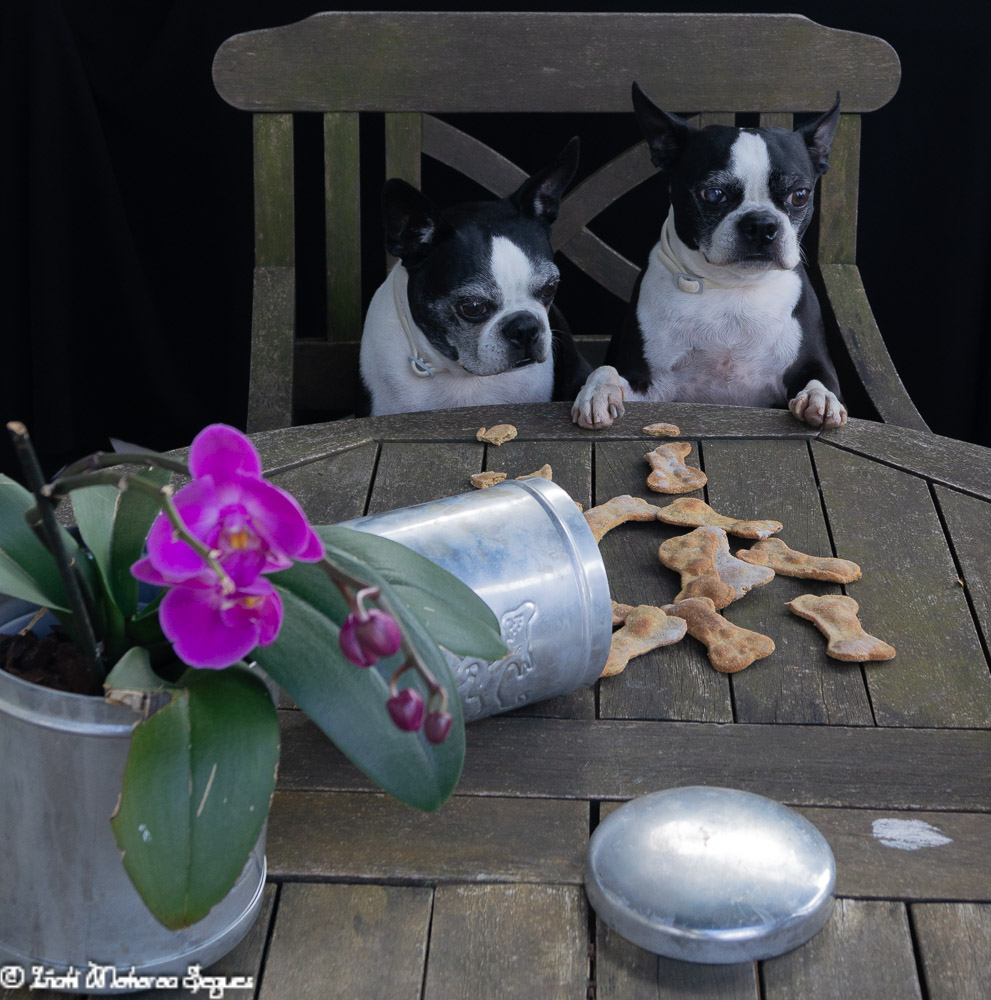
[471, 157]
[432, 61]
[838, 196]
[342, 191]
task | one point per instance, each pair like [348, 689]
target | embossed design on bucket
[525, 548]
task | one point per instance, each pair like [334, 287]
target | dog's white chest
[725, 345]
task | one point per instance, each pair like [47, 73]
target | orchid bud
[406, 709]
[365, 642]
[437, 726]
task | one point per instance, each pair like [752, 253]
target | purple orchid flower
[212, 621]
[215, 613]
[231, 509]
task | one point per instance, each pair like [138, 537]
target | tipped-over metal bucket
[525, 548]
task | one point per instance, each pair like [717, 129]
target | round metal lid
[710, 875]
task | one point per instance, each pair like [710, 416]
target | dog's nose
[758, 228]
[522, 330]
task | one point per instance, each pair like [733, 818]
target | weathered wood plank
[908, 855]
[838, 195]
[347, 61]
[959, 464]
[417, 473]
[506, 942]
[673, 682]
[335, 489]
[273, 186]
[798, 682]
[865, 949]
[342, 211]
[884, 520]
[338, 942]
[955, 949]
[625, 972]
[535, 421]
[361, 837]
[774, 119]
[969, 523]
[847, 300]
[799, 765]
[273, 323]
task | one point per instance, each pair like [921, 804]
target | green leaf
[349, 704]
[27, 569]
[457, 617]
[199, 779]
[114, 524]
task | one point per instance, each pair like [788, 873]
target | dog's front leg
[818, 406]
[600, 400]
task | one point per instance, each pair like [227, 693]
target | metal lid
[710, 875]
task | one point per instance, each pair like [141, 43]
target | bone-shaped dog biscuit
[483, 480]
[619, 510]
[835, 615]
[645, 629]
[707, 569]
[670, 474]
[544, 472]
[662, 430]
[499, 434]
[789, 562]
[694, 513]
[730, 647]
[620, 612]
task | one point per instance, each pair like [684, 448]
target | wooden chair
[414, 67]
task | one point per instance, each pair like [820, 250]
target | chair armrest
[856, 325]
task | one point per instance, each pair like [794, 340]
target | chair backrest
[413, 67]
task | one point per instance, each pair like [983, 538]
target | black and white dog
[462, 319]
[724, 311]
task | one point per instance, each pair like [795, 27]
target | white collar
[421, 362]
[668, 252]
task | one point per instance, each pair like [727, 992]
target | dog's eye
[473, 308]
[798, 197]
[714, 196]
[549, 290]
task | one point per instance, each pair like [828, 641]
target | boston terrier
[724, 311]
[462, 319]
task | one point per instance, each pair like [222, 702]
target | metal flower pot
[526, 549]
[66, 901]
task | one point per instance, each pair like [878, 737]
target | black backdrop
[125, 214]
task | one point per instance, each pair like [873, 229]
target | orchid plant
[245, 588]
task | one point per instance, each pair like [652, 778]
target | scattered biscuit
[620, 612]
[707, 569]
[619, 510]
[670, 474]
[499, 434]
[645, 629]
[694, 513]
[662, 430]
[789, 562]
[835, 615]
[544, 472]
[483, 480]
[730, 647]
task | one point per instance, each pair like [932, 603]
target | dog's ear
[666, 134]
[818, 136]
[413, 226]
[539, 196]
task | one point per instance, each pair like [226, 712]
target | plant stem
[52, 535]
[108, 459]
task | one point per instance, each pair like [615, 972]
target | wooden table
[484, 899]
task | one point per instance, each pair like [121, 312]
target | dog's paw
[817, 406]
[600, 400]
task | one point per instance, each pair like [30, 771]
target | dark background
[125, 214]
